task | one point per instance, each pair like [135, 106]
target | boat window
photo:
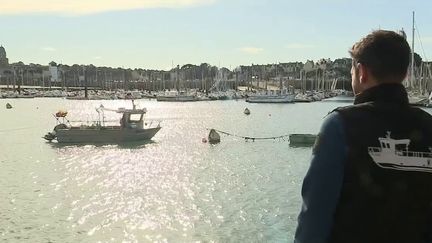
[400, 147]
[135, 117]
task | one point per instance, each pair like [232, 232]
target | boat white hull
[104, 135]
[405, 167]
[401, 160]
[271, 99]
[176, 98]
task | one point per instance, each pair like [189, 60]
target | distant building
[4, 62]
[54, 72]
[5, 69]
[291, 67]
[309, 66]
[342, 63]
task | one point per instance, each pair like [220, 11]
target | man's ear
[363, 73]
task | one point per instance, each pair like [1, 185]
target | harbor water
[173, 189]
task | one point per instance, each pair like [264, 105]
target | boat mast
[412, 76]
[178, 78]
[280, 80]
[85, 83]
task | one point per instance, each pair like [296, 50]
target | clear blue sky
[221, 32]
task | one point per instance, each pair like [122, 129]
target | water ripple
[175, 189]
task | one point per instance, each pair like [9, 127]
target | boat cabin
[389, 144]
[132, 118]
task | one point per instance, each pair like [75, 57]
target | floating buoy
[302, 140]
[204, 140]
[213, 137]
[247, 111]
[8, 106]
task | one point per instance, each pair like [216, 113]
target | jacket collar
[388, 93]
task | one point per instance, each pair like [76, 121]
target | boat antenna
[102, 114]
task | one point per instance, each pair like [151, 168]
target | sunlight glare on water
[172, 189]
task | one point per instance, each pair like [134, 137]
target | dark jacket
[386, 191]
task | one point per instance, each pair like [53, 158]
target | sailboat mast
[412, 50]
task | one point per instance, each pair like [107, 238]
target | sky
[160, 34]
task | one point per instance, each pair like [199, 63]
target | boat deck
[84, 127]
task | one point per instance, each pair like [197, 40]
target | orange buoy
[204, 140]
[61, 114]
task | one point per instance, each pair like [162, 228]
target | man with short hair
[370, 176]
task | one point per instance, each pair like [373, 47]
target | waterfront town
[215, 121]
[321, 75]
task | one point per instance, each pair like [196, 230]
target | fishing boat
[132, 128]
[394, 154]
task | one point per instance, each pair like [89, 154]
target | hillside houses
[311, 74]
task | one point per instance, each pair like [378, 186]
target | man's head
[380, 57]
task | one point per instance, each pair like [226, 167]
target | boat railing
[152, 123]
[111, 127]
[415, 154]
[404, 153]
[374, 150]
[94, 127]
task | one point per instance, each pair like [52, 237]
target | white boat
[219, 95]
[54, 93]
[134, 95]
[287, 98]
[9, 95]
[25, 95]
[132, 128]
[303, 98]
[394, 154]
[175, 96]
